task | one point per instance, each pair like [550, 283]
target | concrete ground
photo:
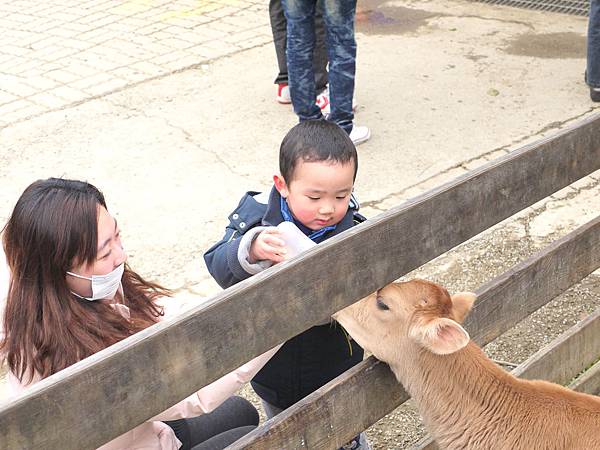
[169, 108]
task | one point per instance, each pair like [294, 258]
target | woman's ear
[281, 186]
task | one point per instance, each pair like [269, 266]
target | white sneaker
[283, 94]
[360, 134]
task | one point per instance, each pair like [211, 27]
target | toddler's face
[319, 193]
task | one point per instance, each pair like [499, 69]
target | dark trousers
[234, 418]
[279, 29]
[593, 45]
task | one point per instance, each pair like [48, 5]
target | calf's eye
[381, 305]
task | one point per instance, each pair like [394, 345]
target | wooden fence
[118, 388]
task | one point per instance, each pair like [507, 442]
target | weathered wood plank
[122, 386]
[578, 254]
[567, 355]
[558, 362]
[294, 426]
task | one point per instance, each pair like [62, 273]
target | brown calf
[467, 402]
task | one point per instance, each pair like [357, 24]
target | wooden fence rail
[589, 382]
[120, 387]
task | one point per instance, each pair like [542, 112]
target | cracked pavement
[169, 108]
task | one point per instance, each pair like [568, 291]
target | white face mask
[103, 286]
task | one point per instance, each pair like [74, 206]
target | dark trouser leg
[279, 30]
[320, 53]
[235, 412]
[220, 441]
[593, 45]
[341, 49]
[300, 15]
[270, 410]
[182, 431]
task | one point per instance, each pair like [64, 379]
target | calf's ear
[441, 336]
[462, 304]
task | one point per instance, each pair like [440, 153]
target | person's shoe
[360, 134]
[595, 94]
[283, 94]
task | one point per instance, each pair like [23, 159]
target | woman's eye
[381, 305]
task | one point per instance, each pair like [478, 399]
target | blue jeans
[593, 45]
[341, 51]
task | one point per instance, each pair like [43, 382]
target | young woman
[67, 292]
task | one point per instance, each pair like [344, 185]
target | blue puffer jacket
[314, 357]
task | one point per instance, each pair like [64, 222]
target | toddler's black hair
[315, 140]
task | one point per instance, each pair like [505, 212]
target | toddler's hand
[268, 245]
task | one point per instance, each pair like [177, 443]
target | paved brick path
[62, 52]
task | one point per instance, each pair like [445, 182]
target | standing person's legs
[300, 15]
[341, 50]
[279, 30]
[234, 413]
[320, 52]
[593, 50]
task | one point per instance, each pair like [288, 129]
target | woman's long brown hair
[53, 227]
